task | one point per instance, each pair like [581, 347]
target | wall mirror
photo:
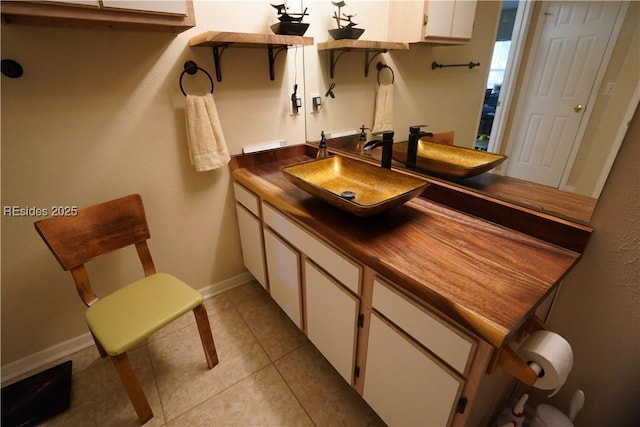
[484, 106]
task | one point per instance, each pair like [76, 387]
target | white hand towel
[207, 146]
[383, 115]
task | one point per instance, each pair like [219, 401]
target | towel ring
[381, 66]
[191, 68]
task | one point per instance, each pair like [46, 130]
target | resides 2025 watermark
[35, 211]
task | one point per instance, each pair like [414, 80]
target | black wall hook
[11, 68]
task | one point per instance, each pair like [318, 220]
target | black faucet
[387, 147]
[412, 147]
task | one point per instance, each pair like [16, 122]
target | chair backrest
[94, 231]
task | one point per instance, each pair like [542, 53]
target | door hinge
[462, 405]
[425, 19]
[356, 372]
[361, 320]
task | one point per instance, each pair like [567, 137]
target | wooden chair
[126, 317]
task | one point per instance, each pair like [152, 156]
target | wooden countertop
[487, 277]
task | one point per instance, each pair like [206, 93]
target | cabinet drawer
[246, 199]
[343, 269]
[445, 342]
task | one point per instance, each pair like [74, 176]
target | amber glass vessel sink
[357, 187]
[448, 161]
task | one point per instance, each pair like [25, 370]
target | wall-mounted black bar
[435, 65]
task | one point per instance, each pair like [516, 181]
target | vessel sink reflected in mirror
[357, 187]
[448, 161]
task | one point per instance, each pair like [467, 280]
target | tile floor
[269, 375]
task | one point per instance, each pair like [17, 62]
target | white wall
[598, 307]
[99, 114]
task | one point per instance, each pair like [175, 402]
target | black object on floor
[38, 397]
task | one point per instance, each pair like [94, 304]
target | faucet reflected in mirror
[412, 147]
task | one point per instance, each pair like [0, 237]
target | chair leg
[99, 346]
[132, 387]
[200, 312]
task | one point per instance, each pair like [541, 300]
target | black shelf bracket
[368, 58]
[217, 57]
[274, 50]
[333, 60]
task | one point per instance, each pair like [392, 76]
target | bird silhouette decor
[289, 24]
[348, 31]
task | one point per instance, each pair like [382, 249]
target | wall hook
[11, 68]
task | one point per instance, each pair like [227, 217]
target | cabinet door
[251, 241]
[283, 269]
[463, 17]
[406, 21]
[450, 19]
[403, 384]
[173, 7]
[332, 314]
[439, 18]
[88, 3]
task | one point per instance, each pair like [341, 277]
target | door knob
[578, 108]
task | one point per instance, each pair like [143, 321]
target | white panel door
[558, 81]
[403, 384]
[332, 315]
[283, 268]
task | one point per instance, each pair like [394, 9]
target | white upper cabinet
[154, 15]
[172, 7]
[432, 21]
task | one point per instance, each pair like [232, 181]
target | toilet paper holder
[507, 358]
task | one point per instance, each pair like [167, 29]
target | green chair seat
[128, 316]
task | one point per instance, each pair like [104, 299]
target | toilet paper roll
[553, 354]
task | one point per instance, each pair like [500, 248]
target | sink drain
[349, 195]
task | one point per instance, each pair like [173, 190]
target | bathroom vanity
[418, 308]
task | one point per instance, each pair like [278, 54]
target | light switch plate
[609, 88]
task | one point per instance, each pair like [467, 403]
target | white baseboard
[66, 348]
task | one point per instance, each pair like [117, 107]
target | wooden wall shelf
[220, 40]
[367, 46]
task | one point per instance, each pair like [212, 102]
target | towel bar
[191, 68]
[435, 65]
